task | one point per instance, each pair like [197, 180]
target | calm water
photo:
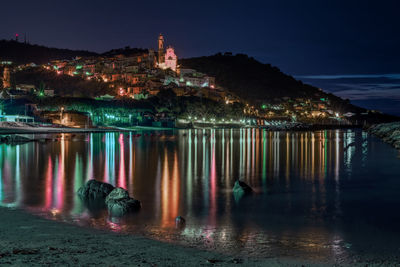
[320, 195]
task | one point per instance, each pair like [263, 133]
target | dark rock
[119, 203]
[388, 132]
[117, 194]
[213, 261]
[241, 189]
[25, 251]
[180, 222]
[236, 261]
[95, 190]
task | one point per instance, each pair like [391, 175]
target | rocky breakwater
[388, 132]
[98, 195]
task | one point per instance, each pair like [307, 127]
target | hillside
[126, 51]
[21, 53]
[257, 82]
[62, 84]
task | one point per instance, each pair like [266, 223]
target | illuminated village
[143, 74]
[212, 133]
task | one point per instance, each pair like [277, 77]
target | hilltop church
[166, 58]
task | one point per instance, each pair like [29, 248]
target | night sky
[300, 37]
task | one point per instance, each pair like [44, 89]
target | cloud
[395, 76]
[358, 86]
[364, 94]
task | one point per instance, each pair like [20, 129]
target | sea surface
[323, 196]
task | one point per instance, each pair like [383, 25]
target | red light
[16, 34]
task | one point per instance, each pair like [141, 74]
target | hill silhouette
[22, 53]
[257, 82]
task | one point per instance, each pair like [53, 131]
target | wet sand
[28, 240]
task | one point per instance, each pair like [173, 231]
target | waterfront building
[26, 87]
[69, 118]
[16, 118]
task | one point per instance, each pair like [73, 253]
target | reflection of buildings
[210, 161]
[6, 78]
[170, 191]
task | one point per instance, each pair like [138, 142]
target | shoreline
[30, 240]
[49, 130]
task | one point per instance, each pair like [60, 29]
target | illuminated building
[191, 78]
[161, 57]
[171, 59]
[69, 118]
[6, 78]
[166, 59]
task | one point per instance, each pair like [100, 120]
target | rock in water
[119, 203]
[241, 189]
[95, 190]
[117, 194]
[180, 222]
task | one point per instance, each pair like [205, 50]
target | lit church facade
[166, 58]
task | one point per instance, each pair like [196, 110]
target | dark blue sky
[300, 37]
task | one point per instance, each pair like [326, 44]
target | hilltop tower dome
[161, 58]
[6, 78]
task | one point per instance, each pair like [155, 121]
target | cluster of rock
[117, 199]
[389, 132]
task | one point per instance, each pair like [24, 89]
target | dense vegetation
[62, 84]
[192, 106]
[166, 102]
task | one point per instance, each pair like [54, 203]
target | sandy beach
[28, 240]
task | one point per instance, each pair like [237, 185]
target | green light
[78, 67]
[264, 106]
[75, 73]
[88, 73]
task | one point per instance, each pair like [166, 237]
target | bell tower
[161, 58]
